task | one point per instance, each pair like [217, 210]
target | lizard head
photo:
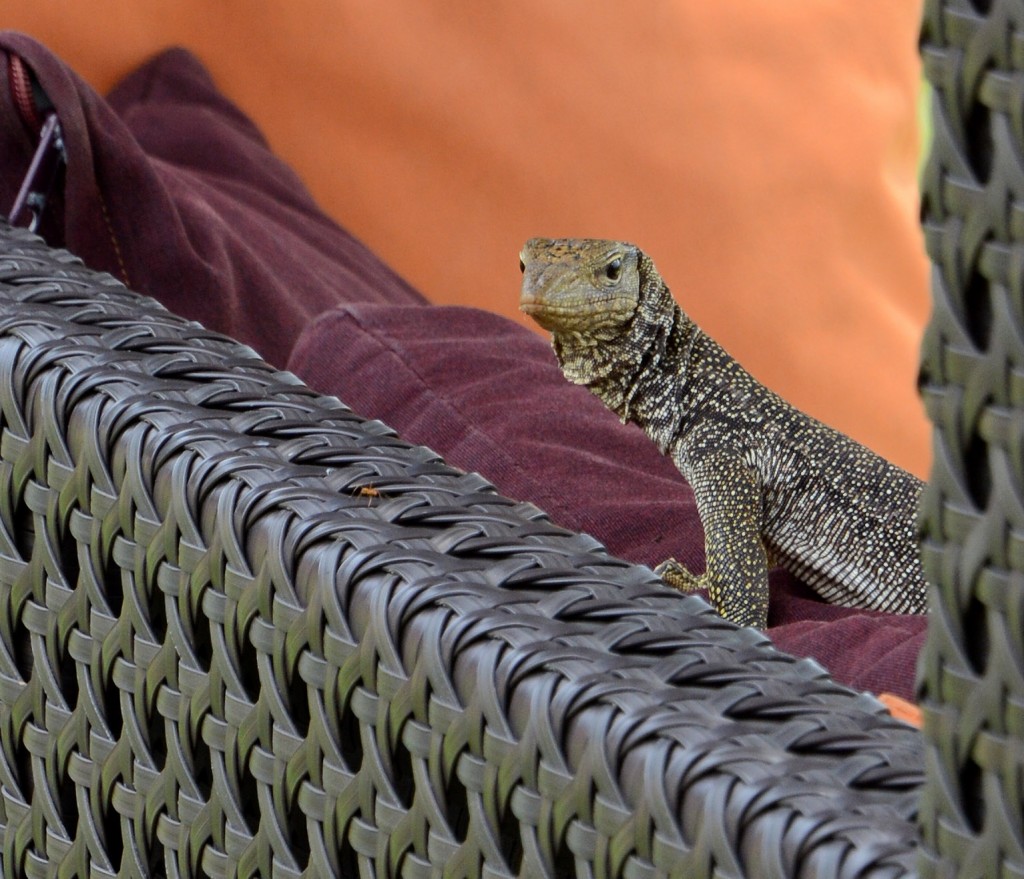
[579, 286]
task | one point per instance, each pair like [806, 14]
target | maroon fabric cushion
[488, 396]
[174, 191]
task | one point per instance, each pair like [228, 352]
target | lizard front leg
[728, 498]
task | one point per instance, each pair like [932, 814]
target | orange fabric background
[763, 154]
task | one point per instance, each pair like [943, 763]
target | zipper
[21, 93]
[50, 157]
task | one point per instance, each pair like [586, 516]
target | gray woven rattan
[973, 385]
[244, 632]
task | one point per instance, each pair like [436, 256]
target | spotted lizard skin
[773, 486]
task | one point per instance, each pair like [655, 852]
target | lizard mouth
[542, 313]
[576, 316]
[535, 307]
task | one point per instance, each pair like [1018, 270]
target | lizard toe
[679, 577]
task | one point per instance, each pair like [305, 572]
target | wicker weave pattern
[973, 386]
[244, 632]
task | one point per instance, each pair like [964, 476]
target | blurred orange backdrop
[763, 154]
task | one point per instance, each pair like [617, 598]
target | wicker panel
[245, 633]
[973, 387]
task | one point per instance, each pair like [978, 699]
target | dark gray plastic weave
[244, 632]
[972, 810]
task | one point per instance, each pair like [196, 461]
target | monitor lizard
[773, 486]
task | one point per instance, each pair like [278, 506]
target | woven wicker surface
[244, 632]
[973, 386]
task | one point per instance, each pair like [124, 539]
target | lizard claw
[679, 577]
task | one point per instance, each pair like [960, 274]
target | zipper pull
[47, 161]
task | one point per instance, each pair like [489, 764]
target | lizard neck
[641, 374]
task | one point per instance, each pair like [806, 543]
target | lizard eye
[613, 269]
[522, 266]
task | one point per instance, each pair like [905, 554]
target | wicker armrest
[245, 632]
